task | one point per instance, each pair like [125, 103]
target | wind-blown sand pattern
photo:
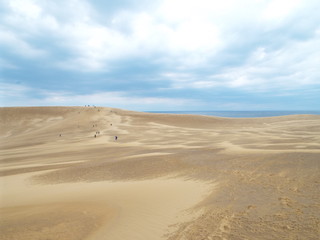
[166, 177]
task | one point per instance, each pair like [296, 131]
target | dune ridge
[64, 176]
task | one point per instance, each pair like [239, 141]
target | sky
[161, 55]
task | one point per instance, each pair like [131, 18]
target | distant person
[95, 135]
[115, 138]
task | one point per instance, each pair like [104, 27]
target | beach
[102, 173]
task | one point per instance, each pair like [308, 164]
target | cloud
[261, 67]
[18, 46]
[7, 64]
[116, 99]
[185, 33]
[290, 67]
[26, 9]
[14, 94]
[95, 44]
[13, 90]
[11, 95]
[137, 49]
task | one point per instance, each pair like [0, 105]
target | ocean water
[241, 114]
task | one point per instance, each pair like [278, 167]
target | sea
[241, 114]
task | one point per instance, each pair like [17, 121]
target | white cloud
[13, 90]
[26, 8]
[5, 64]
[114, 99]
[94, 44]
[13, 94]
[293, 66]
[18, 46]
[29, 19]
[279, 10]
[20, 95]
[181, 37]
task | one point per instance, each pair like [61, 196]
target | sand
[165, 177]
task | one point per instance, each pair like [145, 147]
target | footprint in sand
[287, 202]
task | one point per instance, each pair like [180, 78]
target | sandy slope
[166, 177]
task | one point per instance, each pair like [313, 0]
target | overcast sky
[161, 55]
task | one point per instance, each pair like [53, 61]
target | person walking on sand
[115, 138]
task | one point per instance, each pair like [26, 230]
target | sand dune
[64, 176]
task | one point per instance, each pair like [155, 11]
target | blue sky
[161, 55]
